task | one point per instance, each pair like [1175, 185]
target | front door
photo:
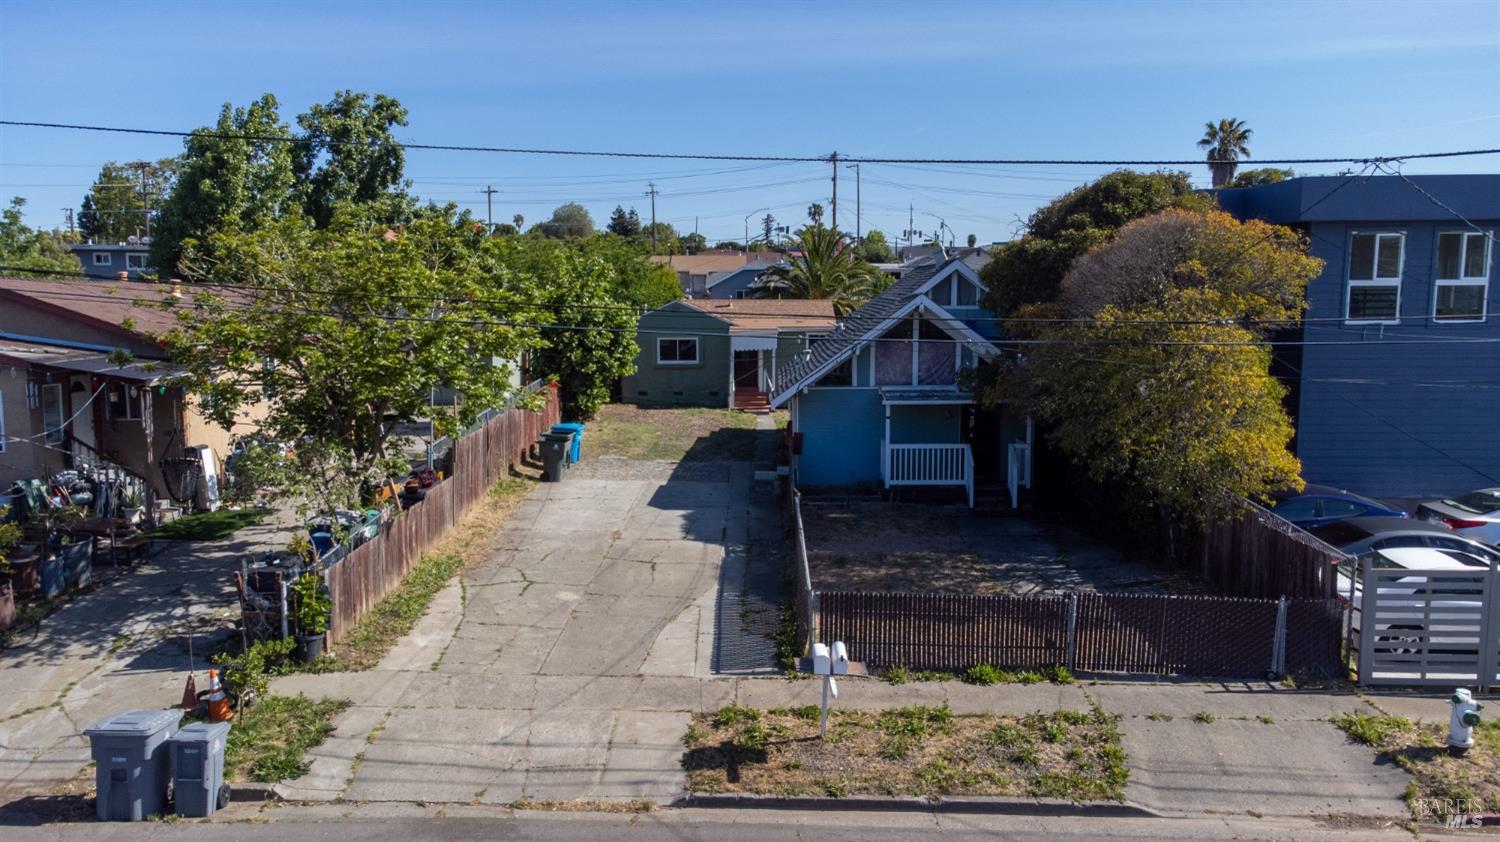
[747, 370]
[981, 430]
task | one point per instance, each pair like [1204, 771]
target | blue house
[1396, 381]
[882, 402]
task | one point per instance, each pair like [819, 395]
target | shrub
[984, 675]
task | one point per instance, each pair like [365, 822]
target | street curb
[871, 803]
[253, 792]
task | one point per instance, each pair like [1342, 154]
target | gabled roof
[953, 267]
[100, 303]
[767, 315]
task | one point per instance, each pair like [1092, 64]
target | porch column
[885, 450]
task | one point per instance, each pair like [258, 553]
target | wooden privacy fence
[1158, 634]
[1260, 554]
[481, 457]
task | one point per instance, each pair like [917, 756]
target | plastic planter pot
[310, 647]
[7, 605]
[25, 576]
[78, 562]
[51, 570]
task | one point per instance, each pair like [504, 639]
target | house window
[677, 351]
[1375, 261]
[101, 258]
[955, 291]
[52, 413]
[968, 294]
[893, 353]
[124, 402]
[135, 261]
[841, 375]
[1463, 276]
[936, 356]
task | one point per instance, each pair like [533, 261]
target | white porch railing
[929, 464]
[1018, 471]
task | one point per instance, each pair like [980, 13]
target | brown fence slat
[480, 457]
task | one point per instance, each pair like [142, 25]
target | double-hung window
[677, 351]
[135, 261]
[1461, 283]
[102, 258]
[1375, 260]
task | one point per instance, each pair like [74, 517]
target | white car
[1415, 558]
[1474, 515]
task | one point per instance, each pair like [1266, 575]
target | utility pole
[69, 213]
[834, 158]
[145, 196]
[859, 234]
[652, 194]
[489, 206]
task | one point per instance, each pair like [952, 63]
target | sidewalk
[119, 647]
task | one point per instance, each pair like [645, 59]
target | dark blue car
[1320, 504]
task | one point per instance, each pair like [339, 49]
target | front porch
[939, 437]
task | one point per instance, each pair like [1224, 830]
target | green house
[721, 352]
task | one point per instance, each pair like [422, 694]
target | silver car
[1474, 515]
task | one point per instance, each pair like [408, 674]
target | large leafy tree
[236, 176]
[822, 265]
[568, 220]
[1225, 140]
[342, 332]
[29, 252]
[875, 248]
[624, 223]
[639, 283]
[1152, 372]
[1263, 175]
[347, 155]
[1029, 269]
[121, 197]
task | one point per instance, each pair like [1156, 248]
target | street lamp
[746, 244]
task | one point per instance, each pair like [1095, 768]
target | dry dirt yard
[674, 435]
[881, 546]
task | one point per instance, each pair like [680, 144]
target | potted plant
[131, 507]
[313, 610]
[10, 535]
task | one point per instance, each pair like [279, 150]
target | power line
[596, 153]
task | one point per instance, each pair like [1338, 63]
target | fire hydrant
[1461, 722]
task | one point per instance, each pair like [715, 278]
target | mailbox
[840, 658]
[822, 660]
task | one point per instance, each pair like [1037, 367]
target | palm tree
[821, 265]
[1225, 141]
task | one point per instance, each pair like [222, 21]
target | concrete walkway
[123, 645]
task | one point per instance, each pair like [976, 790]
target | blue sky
[1055, 80]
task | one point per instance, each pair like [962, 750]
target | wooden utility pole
[145, 196]
[859, 234]
[834, 159]
[652, 194]
[489, 206]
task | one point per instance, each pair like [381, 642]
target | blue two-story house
[1395, 372]
[882, 402]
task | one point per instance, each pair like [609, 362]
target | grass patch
[981, 674]
[1441, 786]
[267, 743]
[1203, 717]
[399, 610]
[927, 751]
[209, 526]
[692, 434]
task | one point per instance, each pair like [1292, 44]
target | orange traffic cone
[218, 703]
[190, 694]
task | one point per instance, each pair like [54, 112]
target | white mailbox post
[829, 661]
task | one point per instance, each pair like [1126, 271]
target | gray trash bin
[198, 768]
[132, 763]
[555, 447]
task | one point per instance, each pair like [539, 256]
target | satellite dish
[132, 239]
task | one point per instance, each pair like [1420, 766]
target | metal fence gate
[1427, 627]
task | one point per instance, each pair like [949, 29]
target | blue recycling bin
[576, 428]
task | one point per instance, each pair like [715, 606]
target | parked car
[1410, 637]
[1360, 535]
[1320, 504]
[1475, 515]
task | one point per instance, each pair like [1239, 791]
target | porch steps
[755, 402]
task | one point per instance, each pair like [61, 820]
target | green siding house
[720, 353]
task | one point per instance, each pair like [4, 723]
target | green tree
[235, 176]
[767, 230]
[692, 243]
[342, 332]
[826, 267]
[569, 220]
[592, 344]
[1225, 141]
[667, 241]
[28, 252]
[505, 229]
[623, 223]
[730, 245]
[115, 208]
[1264, 175]
[1155, 375]
[815, 213]
[875, 248]
[638, 282]
[347, 155]
[1029, 269]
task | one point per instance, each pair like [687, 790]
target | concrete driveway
[568, 663]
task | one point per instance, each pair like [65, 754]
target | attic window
[841, 374]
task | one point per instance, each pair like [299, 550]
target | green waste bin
[576, 429]
[555, 448]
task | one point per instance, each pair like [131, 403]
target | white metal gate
[1427, 627]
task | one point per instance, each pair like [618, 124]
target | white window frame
[135, 408]
[108, 259]
[697, 350]
[139, 261]
[54, 435]
[1350, 283]
[1463, 280]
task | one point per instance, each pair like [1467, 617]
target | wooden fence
[481, 457]
[1157, 634]
[1259, 554]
